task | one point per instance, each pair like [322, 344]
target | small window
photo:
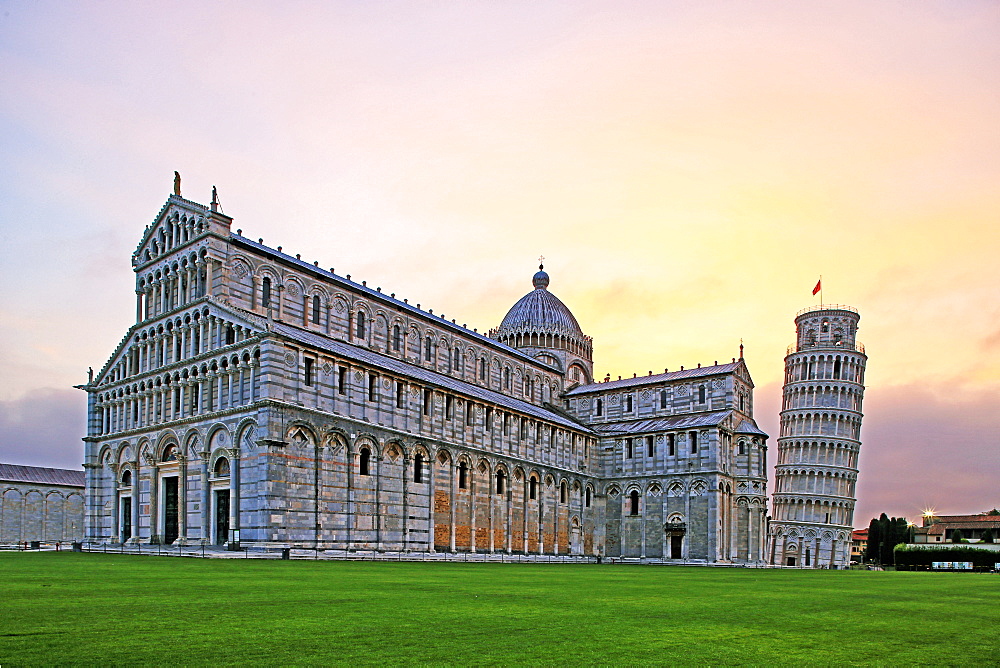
[364, 462]
[400, 395]
[468, 413]
[230, 335]
[265, 296]
[482, 368]
[222, 468]
[315, 310]
[562, 493]
[693, 436]
[586, 498]
[360, 325]
[628, 403]
[501, 483]
[532, 488]
[649, 446]
[663, 398]
[342, 380]
[701, 394]
[506, 379]
[489, 419]
[169, 454]
[397, 338]
[428, 348]
[628, 448]
[428, 398]
[449, 407]
[463, 475]
[127, 478]
[633, 502]
[308, 370]
[418, 468]
[372, 387]
[600, 407]
[741, 448]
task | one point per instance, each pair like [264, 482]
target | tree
[874, 539]
[987, 536]
[887, 529]
[957, 537]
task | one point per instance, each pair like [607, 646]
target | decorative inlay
[290, 359]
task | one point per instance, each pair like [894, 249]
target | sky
[688, 170]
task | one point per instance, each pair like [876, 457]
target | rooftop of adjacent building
[41, 475]
[652, 379]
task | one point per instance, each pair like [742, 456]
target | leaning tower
[819, 442]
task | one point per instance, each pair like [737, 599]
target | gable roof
[663, 424]
[406, 370]
[41, 475]
[698, 372]
[378, 296]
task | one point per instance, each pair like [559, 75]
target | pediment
[142, 332]
[179, 222]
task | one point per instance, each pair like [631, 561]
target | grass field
[58, 608]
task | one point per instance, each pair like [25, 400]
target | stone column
[182, 505]
[206, 498]
[234, 495]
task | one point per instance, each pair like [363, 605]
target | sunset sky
[688, 170]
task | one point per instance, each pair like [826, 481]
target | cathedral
[261, 400]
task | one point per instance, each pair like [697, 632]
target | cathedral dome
[539, 312]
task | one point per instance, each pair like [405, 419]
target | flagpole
[821, 289]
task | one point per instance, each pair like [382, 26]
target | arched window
[600, 407]
[628, 403]
[360, 325]
[265, 292]
[428, 348]
[532, 488]
[628, 448]
[315, 310]
[397, 338]
[364, 462]
[418, 467]
[501, 482]
[463, 475]
[127, 478]
[663, 398]
[562, 493]
[586, 498]
[222, 468]
[633, 502]
[741, 448]
[482, 368]
[701, 394]
[506, 379]
[169, 454]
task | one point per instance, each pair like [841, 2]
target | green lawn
[106, 609]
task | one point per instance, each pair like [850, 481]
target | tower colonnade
[819, 442]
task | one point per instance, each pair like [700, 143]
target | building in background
[859, 541]
[40, 504]
[817, 466]
[260, 399]
[942, 528]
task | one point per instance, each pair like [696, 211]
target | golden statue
[177, 183]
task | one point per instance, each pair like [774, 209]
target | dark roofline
[348, 284]
[16, 473]
[639, 381]
[421, 375]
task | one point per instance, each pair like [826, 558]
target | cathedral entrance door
[675, 546]
[169, 510]
[221, 516]
[126, 515]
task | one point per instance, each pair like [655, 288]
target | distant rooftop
[655, 378]
[41, 475]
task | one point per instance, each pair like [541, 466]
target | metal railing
[826, 307]
[829, 344]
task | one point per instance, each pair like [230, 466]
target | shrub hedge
[910, 556]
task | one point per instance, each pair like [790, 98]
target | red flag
[819, 286]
